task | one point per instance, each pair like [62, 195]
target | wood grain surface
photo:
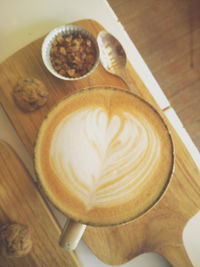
[167, 35]
[21, 202]
[160, 229]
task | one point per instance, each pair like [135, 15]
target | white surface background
[24, 21]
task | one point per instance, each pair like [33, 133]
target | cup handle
[71, 234]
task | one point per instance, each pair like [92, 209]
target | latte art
[87, 146]
[103, 156]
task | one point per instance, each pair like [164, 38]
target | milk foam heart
[99, 158]
[103, 156]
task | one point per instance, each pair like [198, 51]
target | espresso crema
[103, 156]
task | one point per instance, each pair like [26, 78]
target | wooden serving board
[160, 229]
[21, 202]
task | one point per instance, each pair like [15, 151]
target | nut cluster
[72, 55]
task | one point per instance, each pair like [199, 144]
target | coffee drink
[103, 156]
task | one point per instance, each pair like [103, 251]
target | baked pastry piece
[15, 240]
[30, 94]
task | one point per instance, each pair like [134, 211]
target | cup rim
[165, 187]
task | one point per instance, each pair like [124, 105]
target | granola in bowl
[70, 52]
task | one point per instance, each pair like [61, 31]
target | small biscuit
[30, 94]
[15, 240]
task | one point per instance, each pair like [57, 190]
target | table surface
[22, 22]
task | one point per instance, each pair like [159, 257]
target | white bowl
[66, 30]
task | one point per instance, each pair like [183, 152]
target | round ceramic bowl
[67, 30]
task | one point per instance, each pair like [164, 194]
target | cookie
[30, 94]
[15, 240]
